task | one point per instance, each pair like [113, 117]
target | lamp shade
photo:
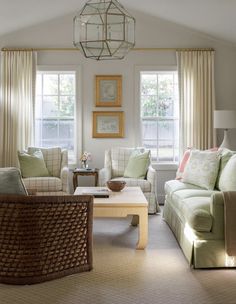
[224, 119]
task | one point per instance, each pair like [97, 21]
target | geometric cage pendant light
[103, 29]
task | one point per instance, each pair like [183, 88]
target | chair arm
[104, 175]
[152, 178]
[65, 179]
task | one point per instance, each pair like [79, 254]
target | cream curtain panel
[197, 99]
[18, 73]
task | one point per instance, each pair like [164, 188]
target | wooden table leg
[143, 229]
[75, 181]
[135, 220]
[96, 178]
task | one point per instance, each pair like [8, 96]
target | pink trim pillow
[184, 160]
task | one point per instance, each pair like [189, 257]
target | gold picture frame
[108, 90]
[108, 124]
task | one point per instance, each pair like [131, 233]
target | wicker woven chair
[44, 237]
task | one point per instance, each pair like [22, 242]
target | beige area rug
[121, 274]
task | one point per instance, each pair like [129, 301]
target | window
[160, 114]
[55, 110]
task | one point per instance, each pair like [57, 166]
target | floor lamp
[225, 120]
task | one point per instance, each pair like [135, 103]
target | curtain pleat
[18, 73]
[197, 99]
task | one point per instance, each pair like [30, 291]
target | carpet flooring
[160, 274]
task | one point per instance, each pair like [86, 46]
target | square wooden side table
[84, 172]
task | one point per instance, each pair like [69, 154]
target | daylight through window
[55, 110]
[160, 114]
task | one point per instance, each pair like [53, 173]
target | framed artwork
[108, 90]
[108, 124]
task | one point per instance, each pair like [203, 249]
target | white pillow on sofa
[227, 180]
[202, 169]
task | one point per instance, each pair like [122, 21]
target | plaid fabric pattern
[134, 182]
[56, 161]
[116, 161]
[64, 158]
[52, 158]
[119, 160]
[43, 184]
[104, 175]
[51, 193]
[152, 178]
[153, 206]
[65, 179]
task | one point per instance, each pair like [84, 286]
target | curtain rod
[134, 49]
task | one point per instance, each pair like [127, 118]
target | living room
[121, 274]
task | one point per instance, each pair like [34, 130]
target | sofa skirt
[200, 252]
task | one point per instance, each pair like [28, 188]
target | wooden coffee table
[130, 201]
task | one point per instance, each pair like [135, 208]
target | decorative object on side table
[116, 186]
[85, 158]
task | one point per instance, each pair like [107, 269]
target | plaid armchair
[56, 161]
[116, 160]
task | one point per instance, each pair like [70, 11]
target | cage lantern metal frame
[103, 29]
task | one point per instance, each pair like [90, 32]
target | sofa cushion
[227, 180]
[174, 185]
[32, 164]
[52, 158]
[43, 184]
[134, 182]
[202, 169]
[137, 165]
[179, 196]
[196, 211]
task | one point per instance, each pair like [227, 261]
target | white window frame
[137, 108]
[78, 103]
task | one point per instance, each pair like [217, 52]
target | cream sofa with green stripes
[196, 217]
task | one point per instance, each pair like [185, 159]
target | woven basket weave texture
[42, 238]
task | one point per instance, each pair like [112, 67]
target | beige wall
[151, 32]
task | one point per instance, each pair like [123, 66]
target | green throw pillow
[137, 165]
[226, 154]
[11, 182]
[227, 181]
[32, 165]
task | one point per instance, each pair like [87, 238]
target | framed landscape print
[108, 90]
[108, 124]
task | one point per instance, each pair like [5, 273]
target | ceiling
[212, 17]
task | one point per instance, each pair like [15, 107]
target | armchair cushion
[56, 161]
[119, 158]
[116, 161]
[32, 165]
[137, 165]
[42, 184]
[52, 158]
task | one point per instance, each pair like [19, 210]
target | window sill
[165, 166]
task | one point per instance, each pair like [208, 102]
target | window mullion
[161, 135]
